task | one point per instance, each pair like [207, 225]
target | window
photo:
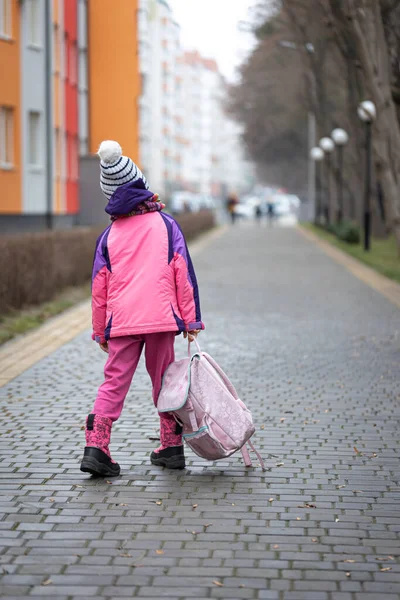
[58, 151]
[72, 63]
[34, 33]
[6, 137]
[56, 49]
[34, 138]
[5, 19]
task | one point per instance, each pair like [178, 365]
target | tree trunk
[361, 23]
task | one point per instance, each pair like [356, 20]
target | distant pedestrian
[231, 203]
[270, 212]
[144, 293]
[258, 212]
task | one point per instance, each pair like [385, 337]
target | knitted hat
[115, 169]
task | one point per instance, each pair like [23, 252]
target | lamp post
[328, 147]
[317, 156]
[340, 138]
[367, 114]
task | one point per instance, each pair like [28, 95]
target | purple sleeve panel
[177, 245]
[101, 256]
[197, 325]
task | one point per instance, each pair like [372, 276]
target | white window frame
[6, 24]
[35, 38]
[34, 145]
[6, 137]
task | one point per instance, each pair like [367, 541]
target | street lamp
[340, 138]
[317, 155]
[367, 114]
[328, 147]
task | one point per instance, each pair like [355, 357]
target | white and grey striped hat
[115, 169]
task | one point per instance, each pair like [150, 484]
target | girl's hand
[192, 334]
[104, 347]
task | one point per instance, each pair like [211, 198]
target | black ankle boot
[171, 458]
[96, 462]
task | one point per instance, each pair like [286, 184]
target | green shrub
[36, 266]
[348, 232]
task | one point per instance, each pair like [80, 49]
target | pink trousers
[123, 358]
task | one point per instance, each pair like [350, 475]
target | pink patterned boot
[170, 454]
[97, 459]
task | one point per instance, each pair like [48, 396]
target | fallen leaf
[207, 525]
[262, 427]
[52, 500]
[383, 569]
[233, 504]
[298, 518]
[357, 491]
[356, 450]
[79, 486]
[126, 555]
[275, 546]
[192, 532]
[47, 582]
[307, 505]
[159, 503]
[305, 422]
[218, 583]
[271, 499]
[122, 504]
[109, 482]
[314, 540]
[159, 551]
[282, 419]
[316, 421]
[242, 585]
[348, 574]
[339, 487]
[280, 464]
[195, 505]
[384, 558]
[336, 520]
[350, 560]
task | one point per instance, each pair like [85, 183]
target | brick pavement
[315, 353]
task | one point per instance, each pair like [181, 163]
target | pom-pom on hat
[116, 169]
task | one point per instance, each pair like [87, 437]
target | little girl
[144, 292]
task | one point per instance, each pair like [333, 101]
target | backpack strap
[246, 456]
[222, 374]
[258, 455]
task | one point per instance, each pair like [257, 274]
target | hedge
[37, 266]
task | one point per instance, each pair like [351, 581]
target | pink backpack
[203, 400]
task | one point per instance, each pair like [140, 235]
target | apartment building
[70, 78]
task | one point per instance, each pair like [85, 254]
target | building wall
[71, 104]
[10, 96]
[83, 90]
[114, 80]
[33, 77]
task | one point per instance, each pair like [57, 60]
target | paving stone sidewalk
[315, 353]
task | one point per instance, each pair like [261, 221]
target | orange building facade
[10, 111]
[69, 78]
[114, 81]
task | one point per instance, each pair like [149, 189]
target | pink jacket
[143, 278]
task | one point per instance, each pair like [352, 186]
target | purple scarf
[141, 209]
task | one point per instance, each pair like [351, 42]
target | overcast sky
[211, 26]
